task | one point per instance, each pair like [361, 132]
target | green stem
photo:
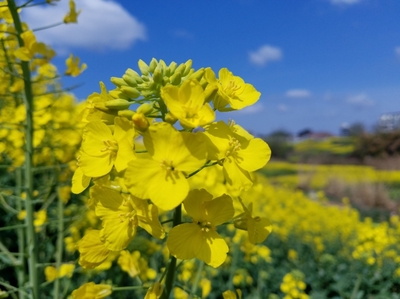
[28, 101]
[21, 276]
[170, 278]
[197, 279]
[60, 243]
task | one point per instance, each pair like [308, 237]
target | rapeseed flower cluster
[147, 146]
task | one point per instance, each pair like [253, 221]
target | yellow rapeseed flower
[92, 250]
[258, 227]
[91, 290]
[121, 214]
[186, 103]
[231, 90]
[72, 15]
[238, 152]
[174, 155]
[200, 239]
[73, 68]
[102, 149]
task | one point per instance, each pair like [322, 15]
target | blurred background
[322, 66]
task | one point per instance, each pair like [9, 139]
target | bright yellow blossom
[30, 48]
[72, 15]
[232, 91]
[91, 290]
[155, 291]
[258, 227]
[102, 149]
[200, 238]
[232, 295]
[186, 103]
[238, 152]
[51, 272]
[174, 156]
[92, 250]
[73, 68]
[121, 214]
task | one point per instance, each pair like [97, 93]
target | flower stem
[170, 278]
[28, 183]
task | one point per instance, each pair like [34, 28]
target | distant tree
[356, 129]
[280, 142]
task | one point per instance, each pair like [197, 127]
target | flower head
[174, 155]
[186, 103]
[200, 239]
[231, 90]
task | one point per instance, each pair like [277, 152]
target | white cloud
[282, 108]
[298, 93]
[102, 25]
[345, 2]
[256, 108]
[265, 54]
[360, 100]
[397, 51]
[182, 33]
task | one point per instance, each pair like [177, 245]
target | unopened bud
[169, 118]
[158, 74]
[188, 67]
[129, 80]
[144, 68]
[197, 75]
[118, 81]
[210, 92]
[140, 121]
[135, 75]
[145, 109]
[180, 69]
[172, 67]
[126, 113]
[130, 91]
[175, 79]
[117, 104]
[153, 64]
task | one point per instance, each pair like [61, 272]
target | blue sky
[318, 63]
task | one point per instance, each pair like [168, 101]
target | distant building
[308, 134]
[389, 121]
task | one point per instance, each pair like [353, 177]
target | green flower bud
[118, 81]
[188, 67]
[131, 73]
[153, 65]
[197, 75]
[117, 94]
[126, 113]
[145, 78]
[144, 68]
[129, 80]
[130, 91]
[165, 80]
[172, 67]
[175, 79]
[158, 74]
[145, 109]
[164, 67]
[180, 69]
[117, 104]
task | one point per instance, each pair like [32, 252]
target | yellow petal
[194, 204]
[146, 179]
[118, 218]
[183, 239]
[95, 166]
[235, 176]
[94, 135]
[258, 229]
[219, 210]
[79, 181]
[184, 151]
[254, 156]
[211, 248]
[92, 250]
